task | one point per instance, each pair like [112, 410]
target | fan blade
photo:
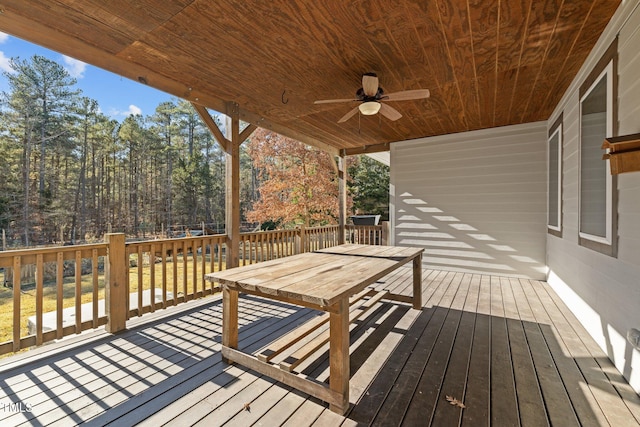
[348, 115]
[389, 112]
[370, 85]
[406, 95]
[331, 101]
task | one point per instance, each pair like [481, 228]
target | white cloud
[74, 67]
[133, 109]
[3, 37]
[4, 63]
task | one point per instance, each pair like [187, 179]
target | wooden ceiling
[487, 63]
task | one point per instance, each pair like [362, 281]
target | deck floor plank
[219, 375]
[188, 374]
[504, 404]
[630, 398]
[396, 402]
[305, 415]
[279, 413]
[190, 371]
[531, 406]
[126, 370]
[583, 401]
[456, 376]
[370, 404]
[509, 349]
[425, 398]
[478, 385]
[582, 348]
[234, 399]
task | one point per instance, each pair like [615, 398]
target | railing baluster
[17, 270]
[39, 297]
[253, 248]
[194, 273]
[59, 293]
[221, 245]
[152, 276]
[94, 283]
[165, 283]
[185, 274]
[246, 251]
[174, 259]
[78, 294]
[281, 251]
[140, 286]
[203, 250]
[212, 256]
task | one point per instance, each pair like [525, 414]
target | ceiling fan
[370, 95]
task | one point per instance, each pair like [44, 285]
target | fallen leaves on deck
[455, 402]
[247, 407]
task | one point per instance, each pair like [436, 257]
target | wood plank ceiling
[487, 63]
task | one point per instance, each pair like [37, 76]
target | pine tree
[39, 102]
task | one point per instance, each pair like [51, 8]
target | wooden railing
[316, 238]
[266, 245]
[167, 272]
[367, 234]
[65, 290]
[69, 276]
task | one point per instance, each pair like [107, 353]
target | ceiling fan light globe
[369, 108]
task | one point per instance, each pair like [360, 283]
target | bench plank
[286, 341]
[356, 311]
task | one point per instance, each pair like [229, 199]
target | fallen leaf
[455, 402]
[247, 407]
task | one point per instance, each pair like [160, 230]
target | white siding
[475, 201]
[604, 292]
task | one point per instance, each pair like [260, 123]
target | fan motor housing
[360, 95]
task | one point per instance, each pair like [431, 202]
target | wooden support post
[384, 238]
[339, 354]
[302, 243]
[232, 197]
[229, 319]
[115, 280]
[342, 198]
[417, 282]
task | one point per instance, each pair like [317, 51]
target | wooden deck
[508, 349]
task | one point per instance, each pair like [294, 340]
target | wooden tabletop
[321, 277]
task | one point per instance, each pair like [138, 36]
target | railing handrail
[174, 239]
[29, 254]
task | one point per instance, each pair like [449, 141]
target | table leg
[339, 354]
[229, 319]
[417, 282]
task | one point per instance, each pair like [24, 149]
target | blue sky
[117, 96]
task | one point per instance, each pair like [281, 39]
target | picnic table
[332, 280]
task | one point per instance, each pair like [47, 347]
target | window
[597, 118]
[554, 218]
